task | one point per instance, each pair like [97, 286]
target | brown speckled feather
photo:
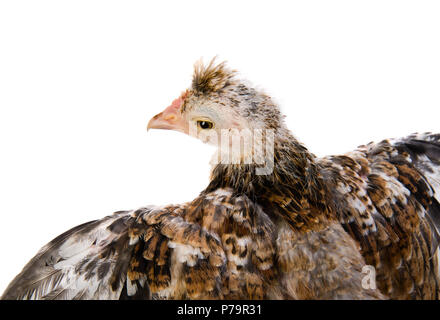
[385, 202]
[218, 246]
[308, 229]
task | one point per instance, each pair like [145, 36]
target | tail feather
[424, 151]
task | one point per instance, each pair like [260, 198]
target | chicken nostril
[170, 117]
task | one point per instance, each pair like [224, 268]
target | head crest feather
[212, 77]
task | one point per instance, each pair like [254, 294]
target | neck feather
[294, 190]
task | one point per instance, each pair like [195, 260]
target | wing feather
[76, 264]
[388, 201]
[209, 248]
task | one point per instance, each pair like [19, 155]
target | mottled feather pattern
[307, 230]
[383, 211]
[201, 250]
[324, 264]
[389, 206]
[79, 264]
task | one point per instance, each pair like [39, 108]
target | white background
[79, 81]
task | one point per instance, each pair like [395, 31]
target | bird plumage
[306, 230]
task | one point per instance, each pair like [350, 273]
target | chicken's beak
[169, 119]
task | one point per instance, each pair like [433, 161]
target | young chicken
[274, 222]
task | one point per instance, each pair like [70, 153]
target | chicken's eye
[205, 124]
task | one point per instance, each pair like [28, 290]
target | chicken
[274, 222]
